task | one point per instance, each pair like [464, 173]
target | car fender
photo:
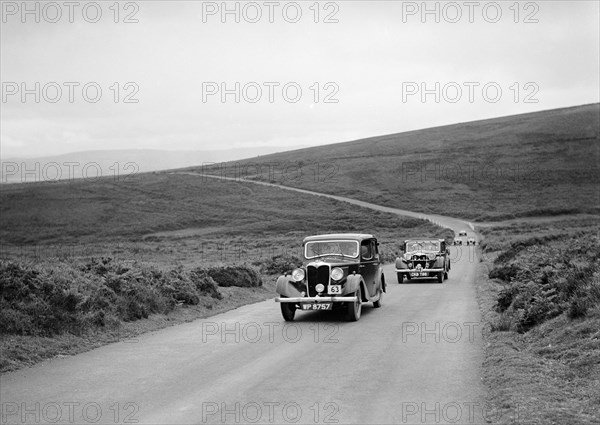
[380, 279]
[353, 281]
[400, 264]
[440, 262]
[286, 288]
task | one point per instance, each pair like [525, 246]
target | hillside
[520, 165]
[122, 163]
[166, 218]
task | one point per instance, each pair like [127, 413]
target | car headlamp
[431, 256]
[337, 273]
[298, 275]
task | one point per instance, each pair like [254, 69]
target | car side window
[366, 250]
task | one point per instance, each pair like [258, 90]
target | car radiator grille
[317, 275]
[423, 261]
[419, 260]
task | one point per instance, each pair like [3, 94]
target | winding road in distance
[416, 360]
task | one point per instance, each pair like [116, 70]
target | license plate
[320, 306]
[419, 274]
[334, 289]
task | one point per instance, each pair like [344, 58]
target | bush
[14, 321]
[548, 277]
[506, 297]
[205, 284]
[504, 272]
[62, 297]
[279, 264]
[585, 299]
[243, 276]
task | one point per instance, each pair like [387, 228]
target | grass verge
[542, 361]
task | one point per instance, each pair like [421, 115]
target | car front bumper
[316, 300]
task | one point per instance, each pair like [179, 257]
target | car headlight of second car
[337, 273]
[298, 275]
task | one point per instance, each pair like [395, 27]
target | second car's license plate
[319, 306]
[419, 274]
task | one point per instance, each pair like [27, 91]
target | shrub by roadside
[243, 276]
[54, 298]
[546, 277]
[63, 308]
[278, 264]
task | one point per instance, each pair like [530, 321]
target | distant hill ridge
[115, 163]
[540, 163]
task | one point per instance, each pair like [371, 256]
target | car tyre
[440, 277]
[288, 311]
[354, 309]
[400, 277]
[446, 275]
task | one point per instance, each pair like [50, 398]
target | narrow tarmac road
[416, 360]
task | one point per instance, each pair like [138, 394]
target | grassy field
[169, 217]
[524, 165]
[88, 263]
[539, 291]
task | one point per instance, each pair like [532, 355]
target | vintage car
[423, 258]
[471, 241]
[340, 272]
[462, 233]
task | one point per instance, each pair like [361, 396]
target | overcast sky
[368, 64]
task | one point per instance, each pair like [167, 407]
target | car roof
[339, 236]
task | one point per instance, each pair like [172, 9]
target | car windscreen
[413, 246]
[322, 248]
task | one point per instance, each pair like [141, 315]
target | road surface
[416, 360]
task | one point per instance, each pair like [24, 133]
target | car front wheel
[400, 277]
[288, 311]
[355, 308]
[440, 277]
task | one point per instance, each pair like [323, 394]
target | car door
[369, 264]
